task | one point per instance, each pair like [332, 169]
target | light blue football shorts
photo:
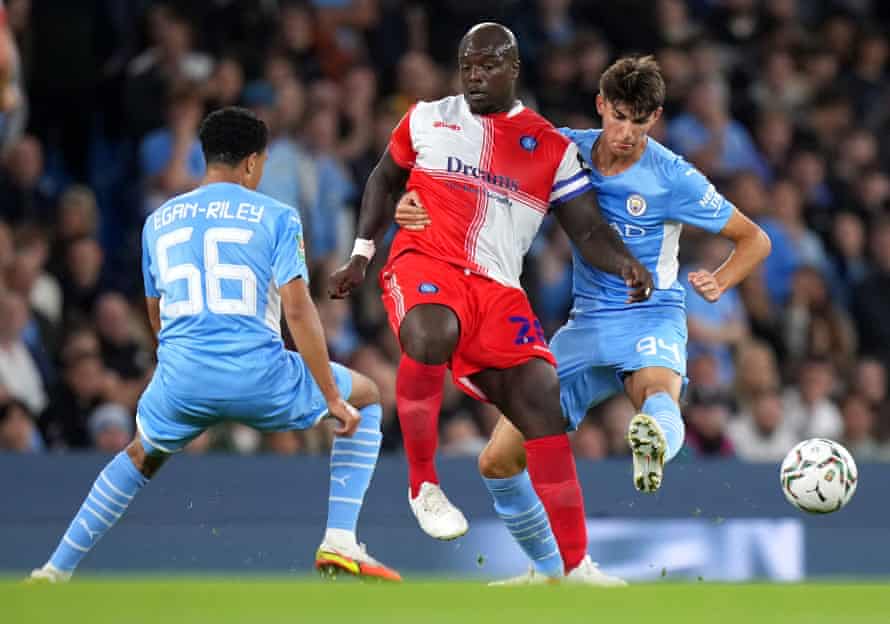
[594, 352]
[167, 422]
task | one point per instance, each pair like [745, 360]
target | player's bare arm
[308, 334]
[384, 184]
[600, 245]
[752, 245]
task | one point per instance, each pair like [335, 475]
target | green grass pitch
[218, 600]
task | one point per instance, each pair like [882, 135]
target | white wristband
[364, 247]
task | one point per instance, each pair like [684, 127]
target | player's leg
[502, 466]
[656, 433]
[428, 333]
[165, 426]
[112, 492]
[653, 363]
[528, 395]
[353, 460]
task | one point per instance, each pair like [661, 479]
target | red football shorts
[497, 326]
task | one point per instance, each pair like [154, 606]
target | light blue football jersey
[216, 257]
[647, 205]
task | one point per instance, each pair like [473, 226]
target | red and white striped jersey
[486, 180]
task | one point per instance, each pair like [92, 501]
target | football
[819, 476]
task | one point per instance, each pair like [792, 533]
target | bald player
[487, 170]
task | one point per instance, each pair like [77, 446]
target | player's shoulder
[450, 108]
[670, 165]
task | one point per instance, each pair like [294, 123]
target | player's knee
[364, 391]
[494, 463]
[145, 463]
[429, 334]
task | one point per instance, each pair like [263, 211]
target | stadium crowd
[782, 103]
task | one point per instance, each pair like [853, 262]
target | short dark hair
[636, 82]
[231, 134]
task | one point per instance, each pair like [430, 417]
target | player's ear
[657, 115]
[600, 104]
[251, 163]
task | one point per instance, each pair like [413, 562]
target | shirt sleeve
[401, 146]
[148, 278]
[572, 178]
[695, 201]
[289, 257]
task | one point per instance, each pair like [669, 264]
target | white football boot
[587, 573]
[648, 445]
[48, 574]
[436, 515]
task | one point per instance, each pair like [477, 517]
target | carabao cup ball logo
[636, 205]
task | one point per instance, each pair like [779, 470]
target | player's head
[488, 61]
[629, 102]
[234, 143]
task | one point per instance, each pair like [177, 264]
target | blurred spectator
[171, 161]
[84, 386]
[225, 85]
[121, 352]
[787, 205]
[707, 414]
[82, 280]
[170, 60]
[774, 133]
[814, 325]
[779, 86]
[871, 299]
[328, 210]
[19, 373]
[756, 371]
[32, 279]
[25, 193]
[716, 327]
[289, 173]
[111, 428]
[461, 437]
[709, 137]
[849, 264]
[614, 415]
[865, 82]
[859, 430]
[18, 432]
[760, 432]
[809, 410]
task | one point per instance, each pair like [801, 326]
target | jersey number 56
[214, 272]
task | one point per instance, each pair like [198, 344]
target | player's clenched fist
[705, 284]
[348, 416]
[348, 277]
[410, 213]
[639, 281]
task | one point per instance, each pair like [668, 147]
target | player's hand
[410, 213]
[639, 281]
[347, 415]
[705, 284]
[347, 278]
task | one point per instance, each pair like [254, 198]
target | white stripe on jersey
[667, 267]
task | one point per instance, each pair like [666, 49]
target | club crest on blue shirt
[528, 143]
[636, 205]
[426, 288]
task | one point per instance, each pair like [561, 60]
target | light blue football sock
[518, 505]
[666, 413]
[112, 492]
[352, 465]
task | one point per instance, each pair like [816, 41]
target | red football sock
[551, 467]
[418, 400]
